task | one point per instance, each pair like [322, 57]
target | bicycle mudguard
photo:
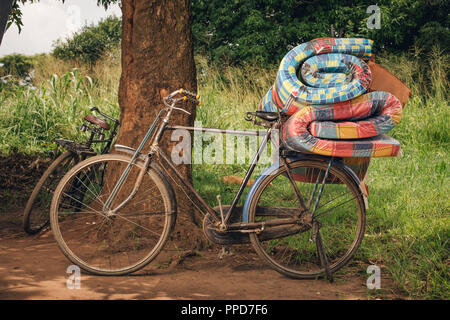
[128, 150]
[300, 156]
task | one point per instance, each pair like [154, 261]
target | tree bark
[157, 58]
[5, 10]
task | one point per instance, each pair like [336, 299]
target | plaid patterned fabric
[318, 129]
[322, 84]
[380, 146]
[358, 165]
[369, 116]
[331, 71]
[331, 114]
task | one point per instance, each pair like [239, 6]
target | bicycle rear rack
[75, 147]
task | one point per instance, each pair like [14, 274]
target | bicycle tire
[43, 218]
[290, 255]
[97, 245]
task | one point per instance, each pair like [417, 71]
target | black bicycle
[304, 215]
[36, 213]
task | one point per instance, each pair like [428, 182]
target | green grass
[408, 221]
[31, 119]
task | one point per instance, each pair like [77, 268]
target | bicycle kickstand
[321, 251]
[225, 250]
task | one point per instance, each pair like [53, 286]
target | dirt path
[32, 267]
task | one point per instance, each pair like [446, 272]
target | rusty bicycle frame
[302, 216]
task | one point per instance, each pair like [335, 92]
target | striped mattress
[324, 86]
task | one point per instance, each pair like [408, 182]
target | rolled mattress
[323, 85]
[353, 128]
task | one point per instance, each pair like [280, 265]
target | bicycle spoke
[323, 212]
[114, 242]
[329, 201]
[97, 212]
[95, 195]
[128, 220]
[306, 254]
[143, 213]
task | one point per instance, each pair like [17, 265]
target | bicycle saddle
[267, 116]
[97, 121]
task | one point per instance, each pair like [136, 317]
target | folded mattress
[324, 85]
[353, 128]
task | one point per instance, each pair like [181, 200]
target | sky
[49, 20]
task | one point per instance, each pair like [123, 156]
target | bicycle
[36, 213]
[300, 227]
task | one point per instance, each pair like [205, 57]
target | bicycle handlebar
[187, 95]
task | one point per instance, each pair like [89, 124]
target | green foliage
[246, 30]
[91, 42]
[433, 33]
[15, 16]
[31, 119]
[239, 31]
[408, 221]
[16, 65]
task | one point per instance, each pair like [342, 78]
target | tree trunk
[157, 58]
[5, 10]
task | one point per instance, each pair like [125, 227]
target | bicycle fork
[107, 205]
[132, 193]
[317, 238]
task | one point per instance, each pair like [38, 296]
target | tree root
[179, 259]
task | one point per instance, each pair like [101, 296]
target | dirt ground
[32, 267]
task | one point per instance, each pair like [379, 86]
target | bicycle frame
[155, 150]
[156, 132]
[290, 214]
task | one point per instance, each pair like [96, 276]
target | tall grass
[408, 219]
[228, 92]
[31, 118]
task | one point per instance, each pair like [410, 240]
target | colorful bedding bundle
[325, 85]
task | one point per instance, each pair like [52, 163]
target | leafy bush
[16, 65]
[91, 42]
[433, 33]
[264, 30]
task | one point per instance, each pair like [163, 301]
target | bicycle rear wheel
[339, 217]
[36, 214]
[103, 243]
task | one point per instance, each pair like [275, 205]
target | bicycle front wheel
[106, 243]
[36, 214]
[339, 215]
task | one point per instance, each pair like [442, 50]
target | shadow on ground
[32, 267]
